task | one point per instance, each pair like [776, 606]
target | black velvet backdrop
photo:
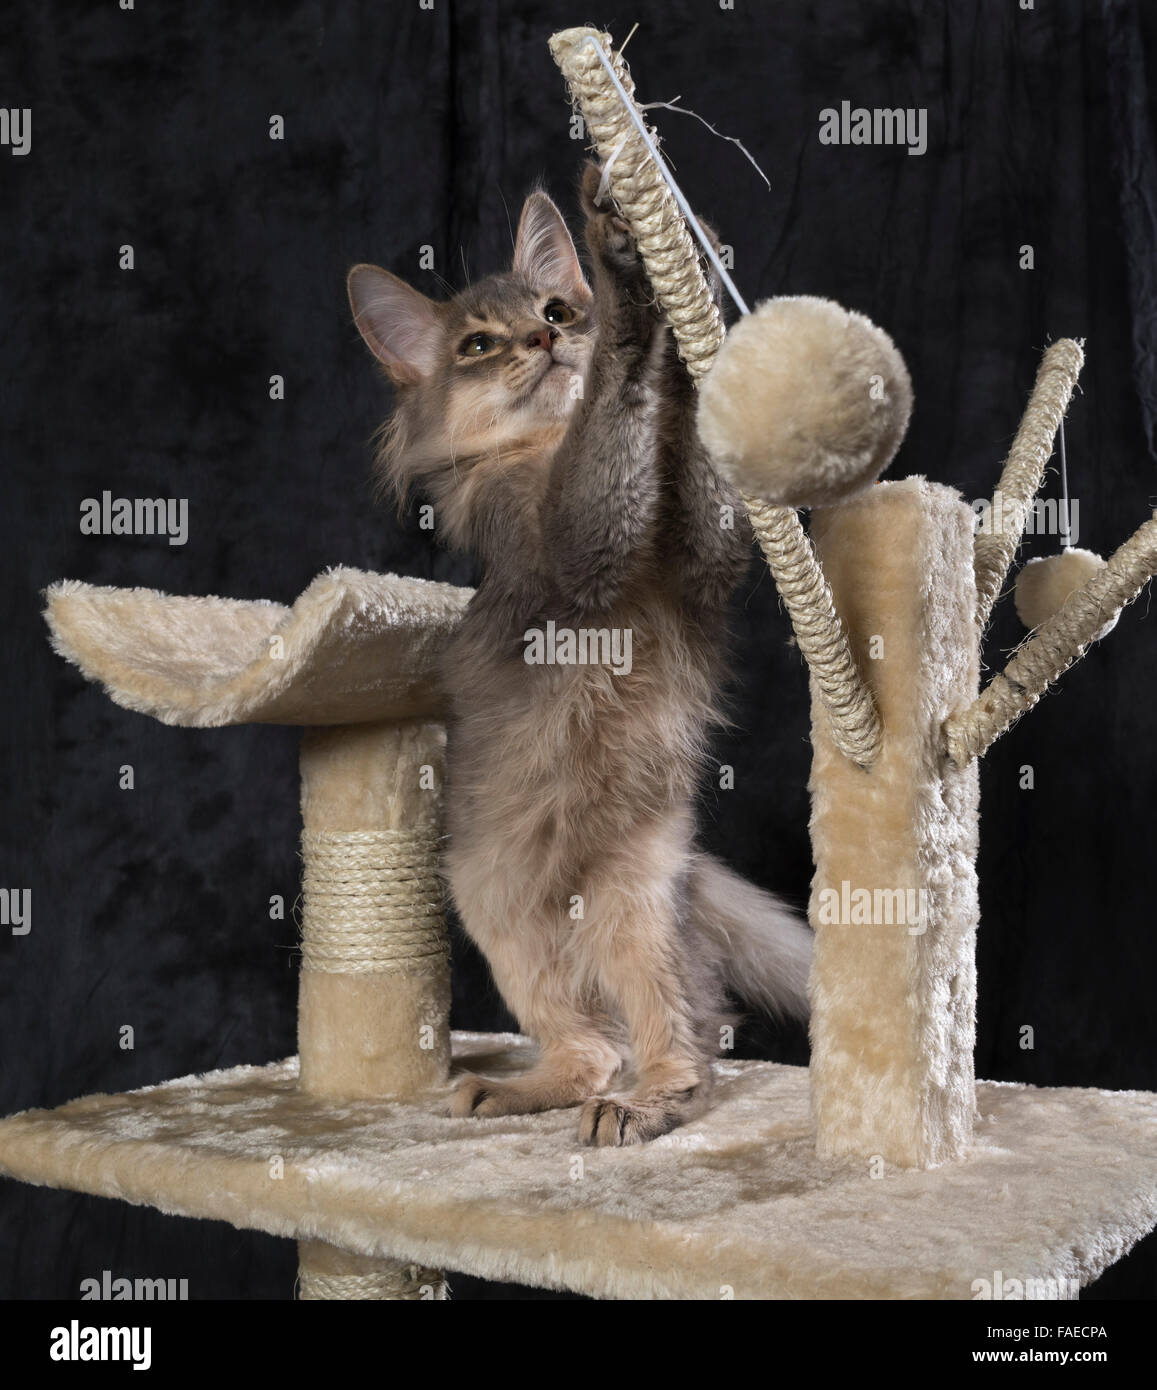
[407, 127]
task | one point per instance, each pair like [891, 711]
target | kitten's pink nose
[543, 338]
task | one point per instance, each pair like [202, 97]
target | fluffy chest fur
[560, 763]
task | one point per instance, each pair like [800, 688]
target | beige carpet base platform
[1058, 1185]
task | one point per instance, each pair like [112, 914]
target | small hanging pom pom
[806, 403]
[1043, 585]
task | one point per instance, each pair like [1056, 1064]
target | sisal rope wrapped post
[1053, 648]
[329, 1274]
[1023, 471]
[375, 991]
[672, 263]
[374, 1001]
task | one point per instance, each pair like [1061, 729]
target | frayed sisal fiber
[354, 646]
[893, 1004]
[1059, 1184]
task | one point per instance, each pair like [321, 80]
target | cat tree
[888, 1172]
[895, 801]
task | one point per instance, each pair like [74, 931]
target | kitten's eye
[558, 311]
[477, 345]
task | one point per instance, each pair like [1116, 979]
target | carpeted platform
[1061, 1183]
[355, 646]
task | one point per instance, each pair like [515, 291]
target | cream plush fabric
[893, 997]
[806, 403]
[1043, 584]
[1059, 1184]
[354, 646]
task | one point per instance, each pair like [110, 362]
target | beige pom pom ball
[1043, 585]
[806, 403]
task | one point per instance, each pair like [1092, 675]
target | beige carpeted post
[375, 979]
[374, 999]
[894, 900]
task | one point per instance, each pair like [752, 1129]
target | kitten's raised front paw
[608, 235]
[610, 1123]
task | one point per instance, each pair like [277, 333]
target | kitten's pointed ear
[543, 251]
[399, 324]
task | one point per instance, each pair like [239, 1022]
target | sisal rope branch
[1023, 471]
[660, 229]
[1053, 647]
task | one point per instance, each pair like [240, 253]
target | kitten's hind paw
[469, 1095]
[609, 1123]
[526, 1095]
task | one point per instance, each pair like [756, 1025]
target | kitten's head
[487, 379]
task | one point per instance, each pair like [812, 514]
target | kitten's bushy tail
[760, 947]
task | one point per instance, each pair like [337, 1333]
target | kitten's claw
[609, 1123]
[469, 1094]
[529, 1094]
[713, 280]
[608, 235]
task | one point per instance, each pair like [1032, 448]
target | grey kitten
[553, 428]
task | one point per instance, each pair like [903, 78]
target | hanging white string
[676, 192]
[1066, 538]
